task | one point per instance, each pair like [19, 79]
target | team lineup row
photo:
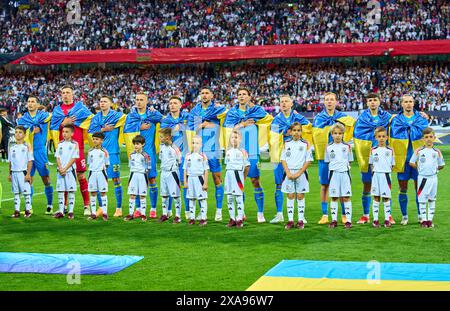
[201, 134]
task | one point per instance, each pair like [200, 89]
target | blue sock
[186, 201]
[138, 202]
[170, 204]
[279, 199]
[325, 208]
[153, 195]
[31, 195]
[403, 201]
[99, 199]
[118, 192]
[219, 196]
[366, 200]
[259, 199]
[49, 194]
[343, 208]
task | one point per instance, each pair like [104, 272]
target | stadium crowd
[429, 82]
[131, 24]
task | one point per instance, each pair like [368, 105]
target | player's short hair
[67, 87]
[206, 87]
[373, 95]
[294, 125]
[69, 126]
[331, 93]
[175, 97]
[339, 126]
[138, 139]
[286, 95]
[167, 131]
[108, 97]
[142, 93]
[243, 88]
[427, 131]
[404, 95]
[236, 132]
[21, 128]
[98, 135]
[380, 129]
[3, 110]
[33, 96]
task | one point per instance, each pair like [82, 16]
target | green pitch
[182, 257]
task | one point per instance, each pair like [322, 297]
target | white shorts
[19, 185]
[98, 181]
[67, 182]
[299, 185]
[381, 185]
[427, 188]
[137, 184]
[340, 184]
[170, 184]
[234, 182]
[195, 190]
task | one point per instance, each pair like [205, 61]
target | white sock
[431, 210]
[348, 210]
[94, 204]
[71, 199]
[132, 203]
[240, 207]
[165, 202]
[61, 202]
[203, 209]
[290, 209]
[144, 206]
[177, 202]
[104, 206]
[17, 202]
[231, 209]
[334, 210]
[387, 209]
[423, 211]
[301, 209]
[192, 207]
[375, 210]
[27, 202]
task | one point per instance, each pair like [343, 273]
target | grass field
[182, 257]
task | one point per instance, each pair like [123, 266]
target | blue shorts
[254, 168]
[40, 163]
[152, 173]
[408, 173]
[279, 174]
[323, 173]
[367, 177]
[214, 165]
[113, 170]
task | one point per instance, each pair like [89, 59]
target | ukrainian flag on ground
[296, 275]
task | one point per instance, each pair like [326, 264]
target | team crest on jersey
[332, 155]
[388, 153]
[375, 159]
[70, 147]
[423, 159]
[344, 149]
[434, 155]
[300, 148]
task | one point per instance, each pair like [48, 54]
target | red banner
[235, 53]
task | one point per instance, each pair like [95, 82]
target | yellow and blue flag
[401, 132]
[40, 121]
[114, 138]
[299, 275]
[279, 132]
[83, 117]
[363, 135]
[132, 128]
[179, 137]
[321, 130]
[210, 136]
[253, 136]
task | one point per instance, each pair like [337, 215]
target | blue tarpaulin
[64, 263]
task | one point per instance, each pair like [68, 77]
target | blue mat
[64, 263]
